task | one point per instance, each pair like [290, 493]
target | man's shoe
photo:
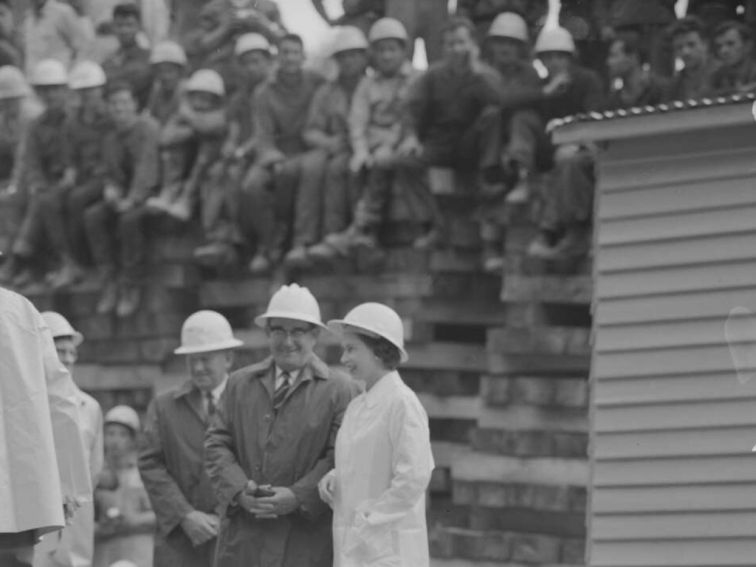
[493, 261]
[260, 265]
[68, 275]
[213, 254]
[520, 193]
[129, 300]
[297, 258]
[541, 248]
[181, 209]
[575, 244]
[431, 239]
[108, 299]
[322, 251]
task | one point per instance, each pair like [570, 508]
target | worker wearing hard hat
[116, 226]
[272, 441]
[45, 158]
[75, 544]
[281, 108]
[383, 460]
[52, 30]
[199, 124]
[126, 522]
[376, 130]
[254, 55]
[84, 176]
[171, 457]
[45, 473]
[131, 62]
[570, 89]
[169, 64]
[328, 192]
[506, 47]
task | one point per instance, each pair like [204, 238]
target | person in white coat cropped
[383, 460]
[44, 475]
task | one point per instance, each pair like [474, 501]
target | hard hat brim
[76, 337]
[261, 320]
[213, 347]
[339, 326]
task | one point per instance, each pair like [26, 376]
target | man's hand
[246, 500]
[358, 161]
[327, 488]
[557, 84]
[200, 527]
[283, 502]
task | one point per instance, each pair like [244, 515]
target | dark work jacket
[293, 448]
[172, 466]
[584, 93]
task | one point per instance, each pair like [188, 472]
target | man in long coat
[44, 474]
[274, 434]
[171, 459]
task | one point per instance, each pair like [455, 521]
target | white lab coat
[383, 467]
[42, 460]
[74, 545]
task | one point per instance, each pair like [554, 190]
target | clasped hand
[283, 501]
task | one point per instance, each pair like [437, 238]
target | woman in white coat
[383, 451]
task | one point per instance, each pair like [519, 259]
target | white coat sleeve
[412, 465]
[75, 480]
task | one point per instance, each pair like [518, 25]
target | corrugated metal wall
[674, 479]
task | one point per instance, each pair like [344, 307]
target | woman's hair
[384, 351]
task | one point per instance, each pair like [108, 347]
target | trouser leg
[309, 210]
[100, 224]
[256, 208]
[79, 199]
[341, 194]
[31, 232]
[132, 228]
[285, 180]
[569, 198]
[526, 135]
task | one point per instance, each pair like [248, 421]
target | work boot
[167, 196]
[69, 274]
[322, 251]
[542, 248]
[22, 279]
[493, 261]
[128, 301]
[520, 193]
[181, 208]
[109, 297]
[297, 258]
[214, 254]
[260, 265]
[434, 238]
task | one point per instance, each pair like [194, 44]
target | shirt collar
[217, 392]
[382, 388]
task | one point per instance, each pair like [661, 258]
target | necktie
[210, 404]
[280, 394]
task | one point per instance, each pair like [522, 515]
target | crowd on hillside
[205, 112]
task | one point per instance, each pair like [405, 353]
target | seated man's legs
[308, 208]
[568, 206]
[100, 224]
[79, 199]
[256, 215]
[132, 235]
[27, 244]
[285, 182]
[341, 194]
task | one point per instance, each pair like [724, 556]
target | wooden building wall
[673, 478]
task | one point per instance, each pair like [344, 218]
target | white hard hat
[292, 302]
[348, 38]
[60, 327]
[12, 83]
[124, 415]
[206, 81]
[86, 75]
[509, 25]
[206, 331]
[388, 28]
[555, 39]
[377, 319]
[168, 52]
[251, 42]
[49, 73]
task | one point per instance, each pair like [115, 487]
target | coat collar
[314, 368]
[382, 388]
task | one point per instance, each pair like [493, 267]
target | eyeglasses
[279, 333]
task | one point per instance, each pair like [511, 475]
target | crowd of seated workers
[226, 128]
